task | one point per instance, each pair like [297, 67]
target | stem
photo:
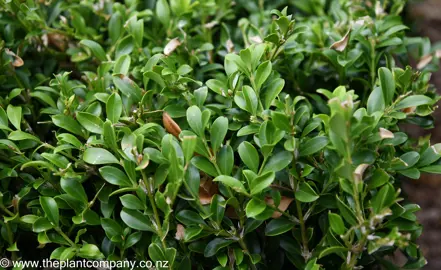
[59, 231]
[155, 210]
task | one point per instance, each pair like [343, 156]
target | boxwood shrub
[213, 134]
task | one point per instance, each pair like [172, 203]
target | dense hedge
[212, 134]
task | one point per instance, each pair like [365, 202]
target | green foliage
[212, 134]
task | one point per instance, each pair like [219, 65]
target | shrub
[212, 134]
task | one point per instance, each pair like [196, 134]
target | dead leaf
[58, 41]
[207, 189]
[230, 46]
[180, 232]
[386, 134]
[171, 46]
[424, 61]
[256, 39]
[342, 43]
[359, 171]
[170, 125]
[284, 204]
[409, 110]
[17, 62]
[438, 53]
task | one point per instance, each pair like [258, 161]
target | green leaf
[50, 208]
[376, 101]
[115, 27]
[74, 189]
[272, 91]
[114, 107]
[115, 176]
[90, 122]
[111, 227]
[204, 165]
[68, 123]
[98, 156]
[131, 202]
[18, 135]
[136, 220]
[127, 87]
[194, 119]
[44, 97]
[217, 132]
[90, 251]
[384, 198]
[215, 245]
[278, 162]
[188, 147]
[414, 101]
[225, 160]
[255, 207]
[232, 183]
[217, 86]
[14, 115]
[278, 226]
[305, 193]
[41, 225]
[331, 250]
[313, 146]
[188, 218]
[261, 182]
[281, 121]
[249, 156]
[347, 213]
[163, 12]
[436, 169]
[336, 223]
[387, 84]
[96, 49]
[262, 73]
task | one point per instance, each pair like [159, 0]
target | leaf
[414, 101]
[336, 223]
[115, 176]
[341, 44]
[14, 115]
[347, 213]
[127, 87]
[194, 119]
[384, 198]
[255, 207]
[249, 156]
[131, 202]
[188, 147]
[136, 220]
[18, 135]
[96, 49]
[387, 84]
[188, 218]
[215, 245]
[204, 165]
[217, 86]
[218, 131]
[313, 146]
[111, 227]
[163, 12]
[44, 97]
[262, 74]
[74, 189]
[232, 183]
[305, 193]
[68, 123]
[170, 125]
[436, 169]
[331, 250]
[278, 161]
[278, 226]
[261, 182]
[50, 208]
[272, 91]
[376, 101]
[114, 107]
[97, 156]
[225, 160]
[90, 122]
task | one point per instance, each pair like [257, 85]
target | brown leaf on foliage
[424, 61]
[342, 43]
[180, 232]
[284, 204]
[18, 62]
[170, 125]
[171, 46]
[207, 189]
[58, 41]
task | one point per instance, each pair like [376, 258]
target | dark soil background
[426, 17]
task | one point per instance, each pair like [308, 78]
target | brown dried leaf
[424, 61]
[171, 46]
[342, 43]
[170, 125]
[359, 171]
[18, 62]
[386, 134]
[58, 41]
[207, 189]
[284, 204]
[180, 232]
